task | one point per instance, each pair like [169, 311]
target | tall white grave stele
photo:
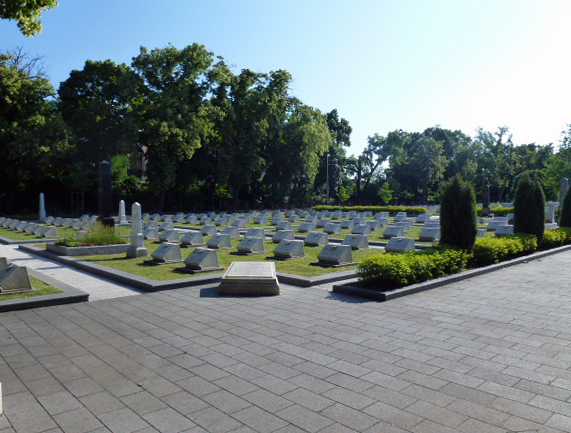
[122, 216]
[137, 248]
[42, 208]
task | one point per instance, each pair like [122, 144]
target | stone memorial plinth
[192, 239]
[137, 247]
[316, 239]
[250, 279]
[347, 224]
[4, 263]
[400, 245]
[357, 242]
[167, 225]
[306, 227]
[335, 256]
[288, 249]
[400, 216]
[361, 229]
[151, 234]
[284, 225]
[201, 260]
[166, 253]
[333, 229]
[251, 245]
[421, 218]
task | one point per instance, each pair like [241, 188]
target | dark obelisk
[105, 199]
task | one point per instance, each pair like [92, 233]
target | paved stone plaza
[487, 354]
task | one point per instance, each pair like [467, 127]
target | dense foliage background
[184, 132]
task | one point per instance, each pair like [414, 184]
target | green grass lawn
[166, 272]
[63, 232]
[40, 288]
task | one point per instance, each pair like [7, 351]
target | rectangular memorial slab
[250, 279]
[400, 216]
[284, 225]
[306, 227]
[400, 245]
[347, 224]
[356, 242]
[201, 260]
[168, 225]
[288, 249]
[316, 239]
[335, 256]
[251, 245]
[361, 229]
[208, 230]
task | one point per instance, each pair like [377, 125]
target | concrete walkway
[97, 288]
[491, 354]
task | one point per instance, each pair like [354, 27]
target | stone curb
[70, 296]
[347, 289]
[8, 241]
[149, 285]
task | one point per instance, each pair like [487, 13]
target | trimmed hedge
[554, 238]
[413, 210]
[491, 250]
[458, 221]
[389, 271]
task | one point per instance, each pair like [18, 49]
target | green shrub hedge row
[498, 211]
[388, 271]
[413, 210]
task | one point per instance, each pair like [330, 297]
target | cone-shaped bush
[529, 208]
[458, 219]
[565, 217]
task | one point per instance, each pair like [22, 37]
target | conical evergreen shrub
[458, 218]
[529, 208]
[565, 217]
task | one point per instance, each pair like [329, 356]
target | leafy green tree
[167, 110]
[565, 217]
[33, 137]
[458, 219]
[26, 13]
[529, 208]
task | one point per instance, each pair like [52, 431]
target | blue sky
[384, 65]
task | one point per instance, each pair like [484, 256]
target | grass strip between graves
[164, 272]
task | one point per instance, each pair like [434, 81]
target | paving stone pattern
[491, 354]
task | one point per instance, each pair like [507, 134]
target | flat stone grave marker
[333, 229]
[284, 225]
[357, 242]
[504, 231]
[201, 260]
[208, 230]
[192, 239]
[316, 239]
[335, 256]
[50, 220]
[205, 220]
[347, 224]
[219, 242]
[294, 219]
[283, 234]
[192, 219]
[322, 223]
[289, 249]
[421, 218]
[400, 216]
[306, 227]
[151, 234]
[233, 232]
[256, 232]
[374, 225]
[239, 223]
[167, 225]
[393, 231]
[399, 245]
[361, 229]
[169, 236]
[4, 263]
[358, 220]
[15, 279]
[261, 220]
[250, 279]
[221, 222]
[251, 245]
[430, 234]
[167, 252]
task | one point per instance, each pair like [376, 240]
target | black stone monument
[105, 199]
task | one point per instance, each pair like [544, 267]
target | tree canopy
[26, 13]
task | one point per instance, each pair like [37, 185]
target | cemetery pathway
[97, 288]
[489, 354]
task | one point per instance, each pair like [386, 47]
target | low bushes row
[389, 271]
[412, 210]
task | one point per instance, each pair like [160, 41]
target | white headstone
[122, 216]
[137, 248]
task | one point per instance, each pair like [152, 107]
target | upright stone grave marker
[122, 215]
[137, 248]
[42, 208]
[250, 279]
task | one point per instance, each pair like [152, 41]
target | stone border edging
[149, 285]
[8, 241]
[347, 289]
[70, 296]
